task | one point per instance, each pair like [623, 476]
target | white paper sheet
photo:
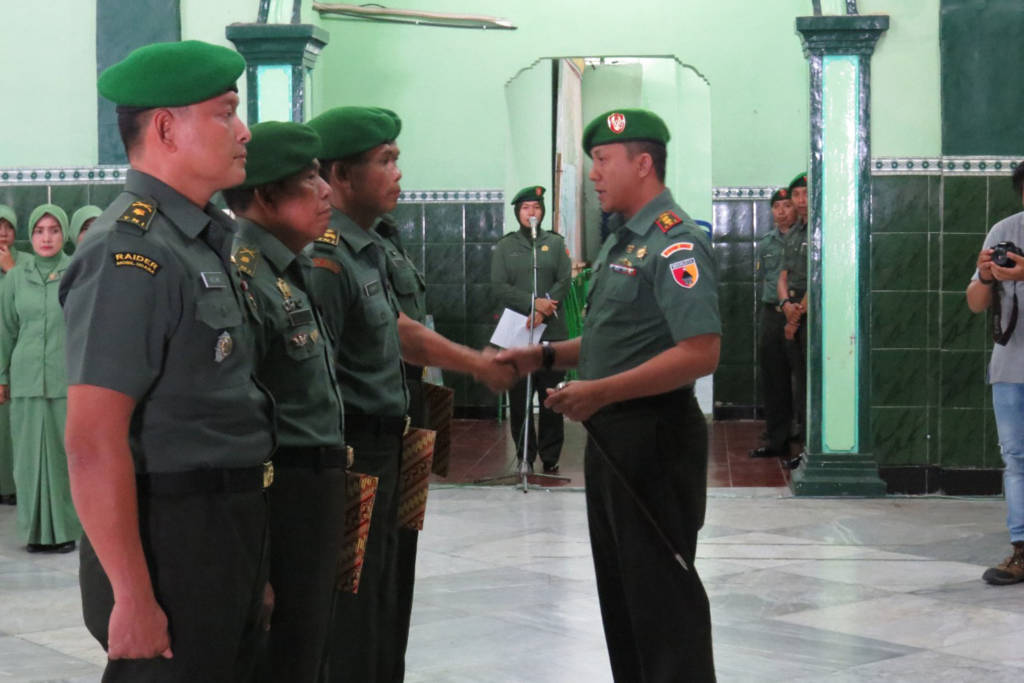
[512, 331]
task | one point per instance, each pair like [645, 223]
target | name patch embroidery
[678, 246]
[131, 259]
[685, 273]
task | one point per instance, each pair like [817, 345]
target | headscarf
[7, 213]
[78, 218]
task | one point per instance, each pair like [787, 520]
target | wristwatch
[547, 355]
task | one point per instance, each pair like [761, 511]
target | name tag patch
[214, 280]
[132, 259]
[372, 288]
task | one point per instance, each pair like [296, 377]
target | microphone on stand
[533, 228]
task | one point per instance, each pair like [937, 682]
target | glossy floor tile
[801, 590]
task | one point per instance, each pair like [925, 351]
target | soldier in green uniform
[512, 285]
[32, 376]
[8, 228]
[168, 434]
[371, 337]
[792, 293]
[281, 207]
[651, 329]
[776, 378]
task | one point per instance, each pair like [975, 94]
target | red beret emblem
[616, 122]
[538, 190]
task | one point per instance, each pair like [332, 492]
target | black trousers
[307, 509]
[549, 438]
[796, 351]
[363, 645]
[656, 616]
[207, 557]
[776, 378]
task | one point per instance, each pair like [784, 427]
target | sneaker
[1011, 570]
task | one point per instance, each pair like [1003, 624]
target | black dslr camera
[1000, 251]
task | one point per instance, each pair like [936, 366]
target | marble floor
[801, 590]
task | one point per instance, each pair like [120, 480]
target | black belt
[312, 457]
[649, 403]
[376, 424]
[214, 480]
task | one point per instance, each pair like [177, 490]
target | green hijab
[7, 213]
[78, 218]
[54, 211]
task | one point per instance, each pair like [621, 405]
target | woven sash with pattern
[417, 454]
[360, 491]
[440, 402]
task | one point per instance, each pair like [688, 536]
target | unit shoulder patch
[678, 246]
[326, 264]
[330, 236]
[131, 259]
[685, 272]
[139, 213]
[667, 220]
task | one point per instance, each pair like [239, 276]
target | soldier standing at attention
[776, 378]
[792, 293]
[651, 330]
[512, 286]
[281, 207]
[168, 435]
[372, 337]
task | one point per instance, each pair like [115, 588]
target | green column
[839, 459]
[280, 60]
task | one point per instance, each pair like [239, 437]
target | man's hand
[577, 400]
[1014, 272]
[525, 359]
[985, 264]
[6, 259]
[790, 330]
[138, 630]
[498, 375]
[545, 307]
[538, 319]
[792, 311]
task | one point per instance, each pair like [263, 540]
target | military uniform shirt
[349, 283]
[653, 285]
[795, 258]
[154, 311]
[410, 288]
[294, 360]
[512, 275]
[770, 251]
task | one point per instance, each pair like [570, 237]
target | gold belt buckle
[408, 421]
[268, 474]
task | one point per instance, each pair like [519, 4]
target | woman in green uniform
[80, 222]
[33, 378]
[8, 226]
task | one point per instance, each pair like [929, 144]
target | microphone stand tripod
[524, 465]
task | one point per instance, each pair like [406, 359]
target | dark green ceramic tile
[103, 195]
[479, 396]
[479, 335]
[961, 329]
[934, 381]
[443, 223]
[900, 436]
[447, 303]
[763, 221]
[934, 203]
[959, 256]
[409, 217]
[934, 262]
[444, 264]
[961, 440]
[69, 197]
[734, 385]
[480, 304]
[735, 261]
[899, 320]
[1002, 200]
[738, 340]
[455, 331]
[734, 222]
[899, 261]
[899, 204]
[962, 383]
[963, 208]
[899, 378]
[934, 330]
[478, 262]
[485, 222]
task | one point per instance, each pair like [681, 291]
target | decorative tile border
[966, 165]
[456, 196]
[70, 175]
[744, 193]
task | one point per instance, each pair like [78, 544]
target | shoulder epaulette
[667, 220]
[139, 213]
[246, 260]
[330, 236]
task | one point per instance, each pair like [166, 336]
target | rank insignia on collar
[641, 252]
[630, 248]
[685, 273]
[225, 345]
[678, 246]
[245, 260]
[330, 236]
[667, 221]
[139, 213]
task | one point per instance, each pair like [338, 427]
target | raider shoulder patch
[139, 213]
[678, 246]
[330, 236]
[667, 221]
[131, 259]
[327, 264]
[245, 259]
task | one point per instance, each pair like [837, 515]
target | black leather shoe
[765, 452]
[551, 469]
[11, 499]
[793, 463]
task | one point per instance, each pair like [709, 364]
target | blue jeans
[1008, 401]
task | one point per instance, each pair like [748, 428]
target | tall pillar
[279, 65]
[839, 460]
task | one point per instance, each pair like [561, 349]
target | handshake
[499, 369]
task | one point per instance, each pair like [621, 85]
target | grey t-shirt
[1007, 364]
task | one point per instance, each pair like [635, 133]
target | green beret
[624, 125]
[346, 131]
[51, 209]
[277, 150]
[781, 193]
[799, 181]
[171, 74]
[533, 193]
[7, 213]
[79, 217]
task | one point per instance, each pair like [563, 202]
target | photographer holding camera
[998, 282]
